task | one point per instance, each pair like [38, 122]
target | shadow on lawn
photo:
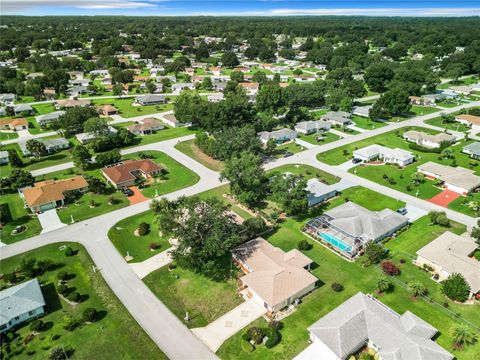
[51, 298]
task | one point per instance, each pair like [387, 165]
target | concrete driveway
[347, 165]
[214, 334]
[144, 268]
[50, 221]
[414, 213]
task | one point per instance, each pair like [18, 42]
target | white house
[429, 140]
[310, 127]
[3, 157]
[280, 136]
[393, 156]
[179, 87]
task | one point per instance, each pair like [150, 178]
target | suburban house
[20, 303]
[179, 87]
[77, 90]
[450, 253]
[363, 321]
[470, 120]
[447, 93]
[4, 157]
[280, 136]
[363, 111]
[146, 126]
[422, 101]
[309, 127]
[106, 110]
[85, 138]
[318, 191]
[14, 124]
[101, 72]
[125, 173]
[171, 120]
[348, 227]
[462, 89]
[251, 88]
[473, 150]
[215, 98]
[51, 145]
[457, 179]
[429, 140]
[7, 98]
[274, 278]
[22, 109]
[49, 194]
[71, 103]
[44, 120]
[378, 152]
[340, 118]
[150, 99]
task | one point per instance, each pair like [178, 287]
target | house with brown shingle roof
[273, 277]
[125, 173]
[146, 126]
[470, 120]
[49, 194]
[106, 110]
[14, 124]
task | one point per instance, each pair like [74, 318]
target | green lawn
[8, 135]
[115, 335]
[161, 135]
[290, 146]
[127, 110]
[19, 216]
[305, 171]
[423, 110]
[184, 291]
[189, 148]
[312, 138]
[367, 123]
[123, 237]
[455, 126]
[42, 109]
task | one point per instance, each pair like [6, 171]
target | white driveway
[50, 221]
[305, 144]
[214, 334]
[344, 184]
[356, 128]
[414, 213]
[144, 268]
[347, 165]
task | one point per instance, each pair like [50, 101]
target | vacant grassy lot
[325, 138]
[126, 109]
[367, 123]
[455, 126]
[189, 148]
[115, 335]
[306, 171]
[161, 135]
[8, 135]
[123, 237]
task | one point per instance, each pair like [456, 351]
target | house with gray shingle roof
[20, 303]
[280, 136]
[44, 120]
[473, 150]
[363, 321]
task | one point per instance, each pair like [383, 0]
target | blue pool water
[335, 242]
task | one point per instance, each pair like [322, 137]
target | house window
[30, 313]
[16, 318]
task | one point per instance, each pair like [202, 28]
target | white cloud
[22, 5]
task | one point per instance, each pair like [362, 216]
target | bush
[89, 315]
[455, 287]
[69, 251]
[62, 275]
[56, 354]
[337, 287]
[74, 296]
[304, 245]
[69, 323]
[275, 325]
[154, 246]
[36, 325]
[143, 229]
[389, 268]
[477, 255]
[10, 278]
[273, 338]
[256, 334]
[247, 347]
[374, 253]
[439, 218]
[254, 226]
[62, 289]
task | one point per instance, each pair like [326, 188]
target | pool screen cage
[322, 224]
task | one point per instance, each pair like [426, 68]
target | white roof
[456, 176]
[374, 150]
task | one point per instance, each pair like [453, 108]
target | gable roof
[473, 148]
[274, 275]
[423, 136]
[361, 318]
[456, 176]
[44, 192]
[375, 149]
[123, 171]
[19, 300]
[451, 252]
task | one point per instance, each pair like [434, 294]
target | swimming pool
[336, 242]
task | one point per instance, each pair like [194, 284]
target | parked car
[402, 211]
[127, 191]
[356, 161]
[287, 154]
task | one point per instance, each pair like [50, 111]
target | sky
[241, 8]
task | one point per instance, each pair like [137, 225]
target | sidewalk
[144, 268]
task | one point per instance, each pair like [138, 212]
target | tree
[36, 148]
[189, 106]
[89, 315]
[270, 146]
[289, 191]
[416, 288]
[96, 126]
[108, 157]
[229, 59]
[207, 83]
[18, 179]
[96, 186]
[72, 121]
[378, 76]
[81, 157]
[463, 334]
[439, 218]
[247, 178]
[13, 158]
[254, 226]
[270, 97]
[117, 89]
[150, 87]
[392, 102]
[456, 288]
[374, 252]
[296, 115]
[237, 77]
[57, 353]
[205, 230]
[383, 284]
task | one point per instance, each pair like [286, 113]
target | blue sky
[250, 7]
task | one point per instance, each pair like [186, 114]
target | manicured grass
[189, 148]
[423, 110]
[318, 113]
[345, 130]
[123, 237]
[127, 110]
[367, 198]
[290, 146]
[161, 135]
[184, 291]
[305, 171]
[19, 217]
[312, 138]
[42, 109]
[367, 123]
[8, 135]
[455, 126]
[115, 335]
[178, 176]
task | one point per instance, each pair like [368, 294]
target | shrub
[402, 261]
[337, 287]
[275, 325]
[455, 287]
[416, 288]
[439, 218]
[69, 251]
[36, 325]
[89, 315]
[143, 229]
[62, 275]
[273, 338]
[256, 334]
[477, 255]
[74, 296]
[154, 246]
[389, 268]
[374, 253]
[304, 245]
[69, 323]
[56, 354]
[247, 347]
[10, 278]
[62, 289]
[246, 336]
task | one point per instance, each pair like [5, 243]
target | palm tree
[463, 335]
[383, 284]
[416, 288]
